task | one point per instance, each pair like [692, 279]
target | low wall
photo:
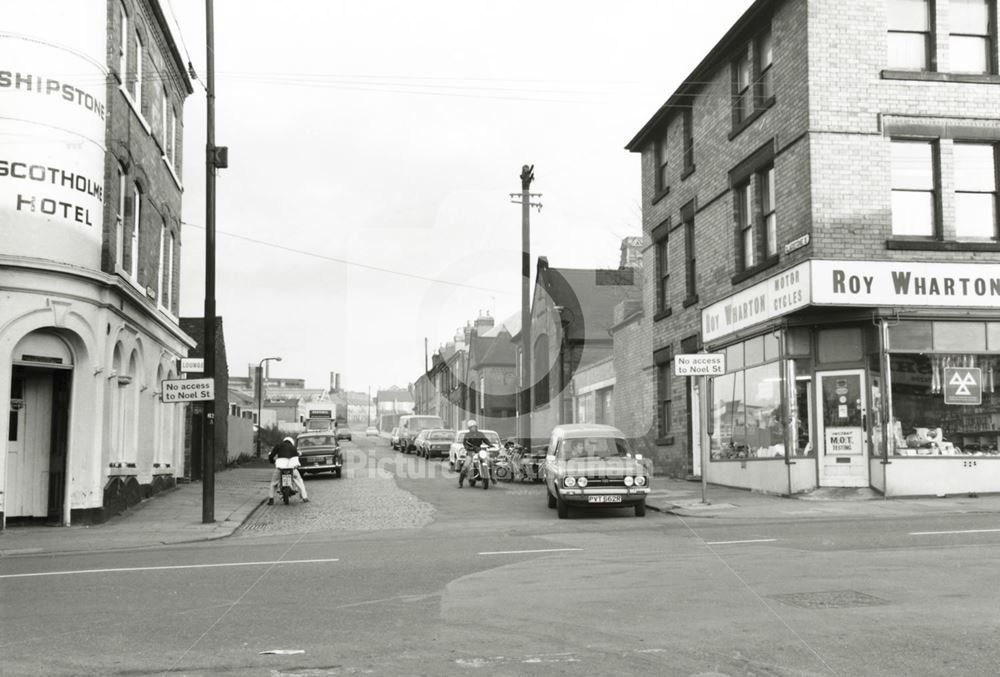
[943, 475]
[769, 476]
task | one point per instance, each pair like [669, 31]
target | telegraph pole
[524, 199]
[215, 158]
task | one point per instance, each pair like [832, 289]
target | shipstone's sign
[53, 83]
[854, 283]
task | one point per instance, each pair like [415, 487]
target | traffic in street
[393, 570]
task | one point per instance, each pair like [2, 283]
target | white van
[411, 425]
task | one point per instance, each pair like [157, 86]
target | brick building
[820, 203]
[90, 207]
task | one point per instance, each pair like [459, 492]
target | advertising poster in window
[53, 96]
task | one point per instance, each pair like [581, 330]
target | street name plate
[701, 364]
[192, 365]
[188, 390]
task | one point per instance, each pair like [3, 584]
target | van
[411, 425]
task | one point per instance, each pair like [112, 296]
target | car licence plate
[604, 499]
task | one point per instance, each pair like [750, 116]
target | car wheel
[552, 499]
[562, 509]
[337, 472]
[640, 509]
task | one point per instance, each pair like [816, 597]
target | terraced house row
[820, 206]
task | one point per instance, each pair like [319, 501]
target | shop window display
[945, 404]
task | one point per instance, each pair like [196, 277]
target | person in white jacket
[286, 449]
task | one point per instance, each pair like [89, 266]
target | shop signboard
[779, 295]
[963, 385]
[193, 365]
[53, 84]
[843, 441]
[700, 364]
[892, 283]
[187, 390]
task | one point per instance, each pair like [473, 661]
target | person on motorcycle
[285, 449]
[472, 442]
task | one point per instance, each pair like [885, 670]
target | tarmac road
[392, 570]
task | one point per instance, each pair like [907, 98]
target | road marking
[163, 568]
[753, 540]
[528, 552]
[964, 531]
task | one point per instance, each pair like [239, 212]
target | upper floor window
[165, 136]
[764, 60]
[914, 194]
[742, 104]
[137, 93]
[910, 34]
[756, 218]
[122, 43]
[744, 224]
[769, 214]
[662, 276]
[687, 122]
[120, 218]
[975, 190]
[662, 180]
[133, 259]
[690, 258]
[969, 41]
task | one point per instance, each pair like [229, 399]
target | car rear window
[442, 435]
[318, 441]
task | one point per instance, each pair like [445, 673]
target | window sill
[690, 301]
[660, 195]
[928, 244]
[135, 109]
[663, 314]
[665, 441]
[750, 119]
[750, 272]
[172, 172]
[688, 171]
[134, 283]
[933, 76]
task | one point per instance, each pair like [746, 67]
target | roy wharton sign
[854, 283]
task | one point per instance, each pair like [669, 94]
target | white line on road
[162, 568]
[528, 552]
[754, 540]
[963, 531]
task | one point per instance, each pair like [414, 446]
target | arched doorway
[41, 383]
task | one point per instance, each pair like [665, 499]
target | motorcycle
[482, 468]
[286, 482]
[503, 467]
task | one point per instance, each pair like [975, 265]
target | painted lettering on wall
[47, 86]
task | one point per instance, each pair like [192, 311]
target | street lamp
[260, 395]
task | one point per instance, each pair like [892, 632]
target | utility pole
[524, 199]
[215, 158]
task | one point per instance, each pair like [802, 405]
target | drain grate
[830, 599]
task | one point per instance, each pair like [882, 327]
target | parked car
[371, 431]
[344, 433]
[417, 442]
[592, 466]
[411, 424]
[319, 452]
[435, 442]
[394, 438]
[456, 453]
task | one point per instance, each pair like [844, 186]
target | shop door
[841, 433]
[30, 444]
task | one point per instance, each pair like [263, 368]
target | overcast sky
[388, 134]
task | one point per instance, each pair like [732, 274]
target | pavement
[171, 517]
[175, 517]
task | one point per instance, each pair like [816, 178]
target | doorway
[842, 428]
[37, 443]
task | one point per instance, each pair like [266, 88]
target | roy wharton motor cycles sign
[855, 283]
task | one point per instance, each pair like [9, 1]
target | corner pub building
[825, 216]
[91, 96]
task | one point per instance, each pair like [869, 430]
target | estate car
[319, 452]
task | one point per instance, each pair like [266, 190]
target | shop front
[876, 383]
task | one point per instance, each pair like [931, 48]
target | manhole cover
[833, 599]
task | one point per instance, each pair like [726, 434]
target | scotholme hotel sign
[53, 101]
[854, 283]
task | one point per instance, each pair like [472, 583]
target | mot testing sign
[963, 385]
[700, 364]
[187, 390]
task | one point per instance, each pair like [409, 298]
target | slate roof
[589, 297]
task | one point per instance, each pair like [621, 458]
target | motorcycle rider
[473, 440]
[286, 449]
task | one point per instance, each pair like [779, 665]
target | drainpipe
[885, 404]
[789, 405]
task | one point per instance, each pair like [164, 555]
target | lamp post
[260, 395]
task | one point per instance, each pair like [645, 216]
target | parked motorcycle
[482, 468]
[503, 468]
